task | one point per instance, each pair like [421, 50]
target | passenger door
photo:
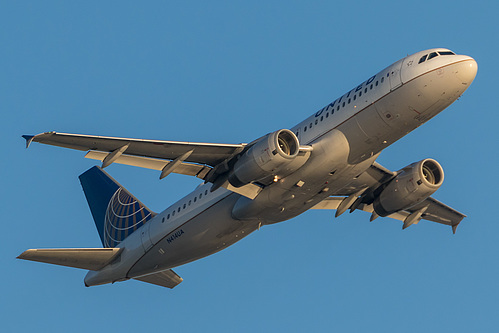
[144, 236]
[395, 77]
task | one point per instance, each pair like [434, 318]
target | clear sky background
[229, 72]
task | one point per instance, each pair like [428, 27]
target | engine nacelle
[275, 154]
[412, 185]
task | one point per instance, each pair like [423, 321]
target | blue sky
[230, 72]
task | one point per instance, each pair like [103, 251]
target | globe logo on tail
[124, 215]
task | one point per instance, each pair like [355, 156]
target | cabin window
[432, 55]
[206, 192]
[178, 210]
[316, 121]
[365, 90]
[376, 83]
[338, 108]
[387, 74]
[173, 213]
[200, 195]
[349, 100]
[360, 93]
[382, 79]
[354, 97]
[327, 114]
[310, 126]
[195, 198]
[305, 129]
[371, 87]
[168, 216]
[190, 202]
[163, 220]
[322, 118]
[343, 104]
[185, 206]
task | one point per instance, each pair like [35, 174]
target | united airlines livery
[328, 161]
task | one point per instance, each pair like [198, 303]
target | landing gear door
[395, 75]
[144, 236]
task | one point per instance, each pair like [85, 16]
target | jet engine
[412, 185]
[275, 154]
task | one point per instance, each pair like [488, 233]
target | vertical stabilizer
[116, 212]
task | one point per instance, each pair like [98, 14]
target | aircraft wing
[202, 160]
[374, 177]
[210, 154]
[436, 211]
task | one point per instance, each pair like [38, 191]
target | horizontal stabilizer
[91, 259]
[167, 278]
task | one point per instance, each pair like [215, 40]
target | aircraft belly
[203, 235]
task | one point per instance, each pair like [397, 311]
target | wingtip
[454, 227]
[29, 139]
[24, 254]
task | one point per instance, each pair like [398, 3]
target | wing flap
[189, 169]
[168, 279]
[91, 259]
[329, 203]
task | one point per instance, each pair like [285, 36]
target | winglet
[454, 227]
[29, 139]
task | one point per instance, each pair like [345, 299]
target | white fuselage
[347, 136]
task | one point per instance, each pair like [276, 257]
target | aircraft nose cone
[467, 71]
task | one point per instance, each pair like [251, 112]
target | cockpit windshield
[434, 54]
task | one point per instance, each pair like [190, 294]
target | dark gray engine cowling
[275, 154]
[412, 185]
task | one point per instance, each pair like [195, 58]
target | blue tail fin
[116, 212]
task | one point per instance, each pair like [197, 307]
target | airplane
[328, 161]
